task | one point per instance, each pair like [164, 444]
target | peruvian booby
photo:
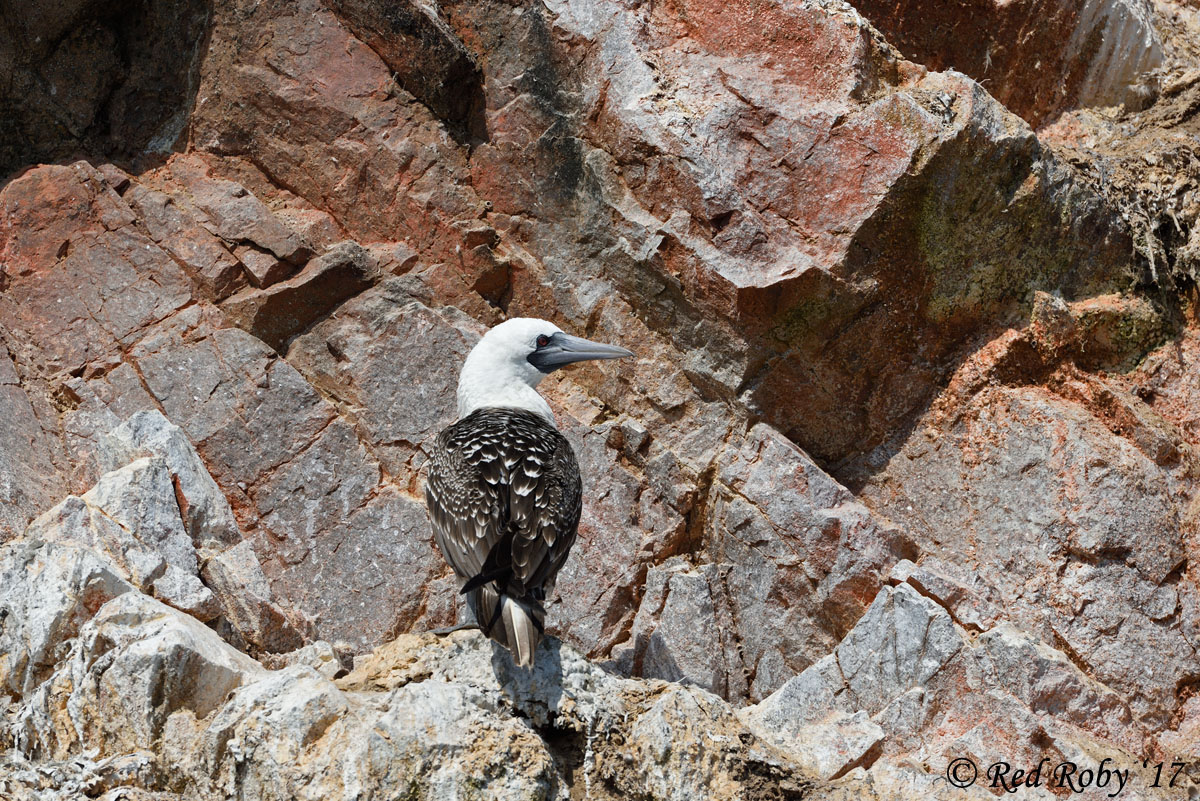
[503, 489]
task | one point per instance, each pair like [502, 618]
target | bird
[503, 487]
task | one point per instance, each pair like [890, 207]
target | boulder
[132, 517]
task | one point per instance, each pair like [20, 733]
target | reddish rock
[84, 281]
[1168, 384]
[351, 140]
[263, 268]
[1038, 59]
[231, 212]
[212, 266]
[825, 258]
[44, 208]
[830, 299]
[281, 311]
[425, 57]
[314, 226]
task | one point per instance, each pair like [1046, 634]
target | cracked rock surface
[905, 470]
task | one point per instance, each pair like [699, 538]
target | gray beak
[564, 349]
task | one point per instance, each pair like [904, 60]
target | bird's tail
[514, 623]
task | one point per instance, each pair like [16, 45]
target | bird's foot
[442, 632]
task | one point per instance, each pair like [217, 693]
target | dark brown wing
[504, 494]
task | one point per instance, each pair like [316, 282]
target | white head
[506, 366]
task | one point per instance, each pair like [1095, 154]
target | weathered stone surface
[85, 75]
[1038, 59]
[206, 513]
[84, 282]
[676, 138]
[426, 58]
[257, 624]
[29, 479]
[140, 499]
[340, 549]
[371, 575]
[214, 267]
[233, 213]
[263, 268]
[160, 662]
[673, 634]
[279, 312]
[132, 517]
[110, 779]
[428, 715]
[246, 411]
[929, 689]
[1077, 532]
[387, 168]
[423, 716]
[394, 368]
[319, 655]
[804, 557]
[832, 748]
[48, 591]
[150, 514]
[829, 262]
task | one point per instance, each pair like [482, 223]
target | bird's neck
[481, 388]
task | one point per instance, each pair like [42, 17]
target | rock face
[112, 77]
[904, 471]
[1038, 59]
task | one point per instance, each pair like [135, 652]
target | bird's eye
[543, 341]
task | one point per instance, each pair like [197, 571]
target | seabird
[503, 490]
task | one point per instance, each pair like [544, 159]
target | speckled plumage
[504, 494]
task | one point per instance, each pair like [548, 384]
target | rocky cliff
[905, 471]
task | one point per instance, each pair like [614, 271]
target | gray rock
[318, 490]
[392, 363]
[424, 716]
[185, 591]
[803, 555]
[140, 499]
[676, 634]
[132, 517]
[47, 591]
[901, 642]
[29, 479]
[157, 662]
[244, 594]
[246, 411]
[1071, 530]
[210, 521]
[835, 746]
[907, 680]
[367, 577]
